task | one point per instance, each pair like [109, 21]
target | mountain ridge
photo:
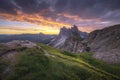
[43, 38]
[104, 43]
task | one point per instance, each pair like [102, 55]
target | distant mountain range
[43, 38]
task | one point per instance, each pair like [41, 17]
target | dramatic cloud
[87, 14]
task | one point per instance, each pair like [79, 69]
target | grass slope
[47, 63]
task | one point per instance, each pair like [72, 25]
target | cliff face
[69, 40]
[106, 44]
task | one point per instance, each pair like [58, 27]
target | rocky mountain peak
[69, 39]
[63, 28]
[73, 31]
[64, 31]
[74, 28]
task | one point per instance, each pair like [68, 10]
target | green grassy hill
[47, 63]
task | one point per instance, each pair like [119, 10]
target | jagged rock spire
[69, 39]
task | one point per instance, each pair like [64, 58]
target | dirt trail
[47, 54]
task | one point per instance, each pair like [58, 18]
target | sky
[48, 16]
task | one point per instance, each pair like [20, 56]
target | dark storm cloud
[7, 6]
[86, 9]
[28, 6]
[32, 6]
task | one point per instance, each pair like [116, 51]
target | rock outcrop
[9, 50]
[14, 46]
[18, 43]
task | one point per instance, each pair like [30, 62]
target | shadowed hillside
[105, 43]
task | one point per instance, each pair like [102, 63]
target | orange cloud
[32, 18]
[49, 26]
